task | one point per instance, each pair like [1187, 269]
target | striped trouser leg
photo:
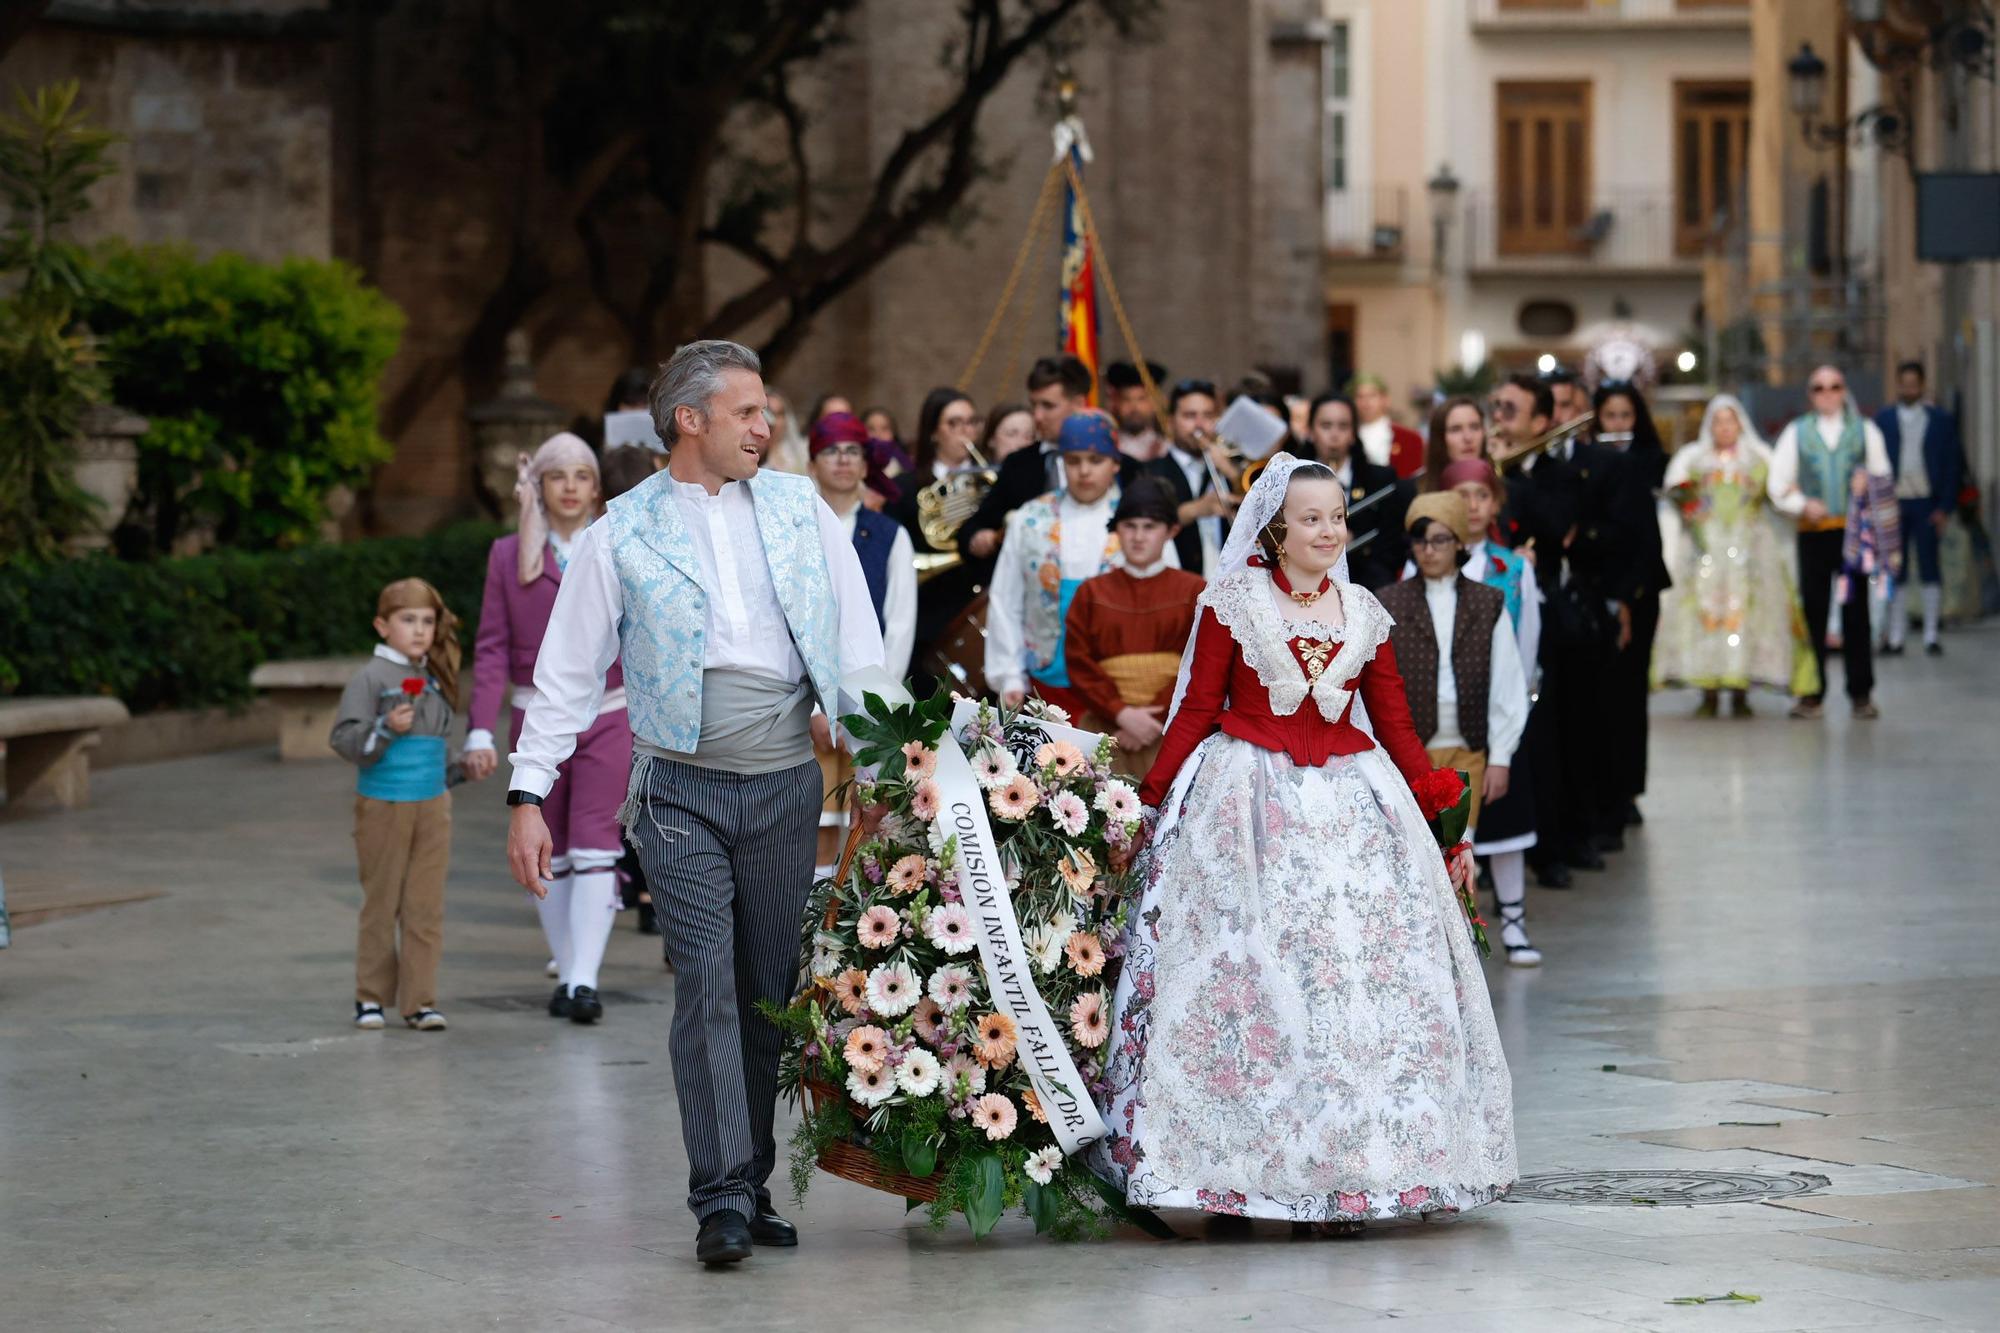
[729, 858]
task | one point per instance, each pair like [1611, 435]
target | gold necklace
[1306, 598]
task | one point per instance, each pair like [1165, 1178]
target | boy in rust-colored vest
[1467, 689]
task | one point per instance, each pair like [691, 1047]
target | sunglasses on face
[1828, 388]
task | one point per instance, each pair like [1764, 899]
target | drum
[958, 655]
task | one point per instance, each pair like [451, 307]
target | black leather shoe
[767, 1228]
[724, 1238]
[1555, 875]
[1609, 842]
[559, 1006]
[584, 1006]
[1933, 649]
[1583, 858]
[649, 924]
[1633, 818]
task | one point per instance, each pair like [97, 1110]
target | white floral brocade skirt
[1303, 1029]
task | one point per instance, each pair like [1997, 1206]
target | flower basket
[850, 1161]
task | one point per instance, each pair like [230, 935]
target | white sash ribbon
[1064, 1096]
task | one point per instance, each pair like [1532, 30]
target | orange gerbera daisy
[995, 1035]
[851, 989]
[1063, 757]
[1079, 870]
[1013, 801]
[1086, 1020]
[867, 1049]
[906, 876]
[1086, 953]
[1034, 1105]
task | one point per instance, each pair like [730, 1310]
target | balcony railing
[1368, 222]
[1619, 230]
[1511, 15]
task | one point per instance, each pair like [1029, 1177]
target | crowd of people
[1327, 627]
[1544, 580]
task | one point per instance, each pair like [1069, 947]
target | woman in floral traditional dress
[1302, 1028]
[1732, 619]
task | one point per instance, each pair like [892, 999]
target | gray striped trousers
[729, 860]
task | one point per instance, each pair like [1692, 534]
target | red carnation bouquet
[1445, 797]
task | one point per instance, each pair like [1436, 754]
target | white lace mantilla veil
[1266, 498]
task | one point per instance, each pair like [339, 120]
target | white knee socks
[554, 912]
[1510, 891]
[593, 910]
[1896, 616]
[1933, 611]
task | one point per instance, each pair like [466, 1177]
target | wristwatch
[519, 797]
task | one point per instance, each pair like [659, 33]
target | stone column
[106, 466]
[512, 423]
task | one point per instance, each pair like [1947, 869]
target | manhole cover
[510, 1004]
[1629, 1189]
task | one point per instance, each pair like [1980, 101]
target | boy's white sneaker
[426, 1020]
[367, 1016]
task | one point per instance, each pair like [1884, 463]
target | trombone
[1546, 441]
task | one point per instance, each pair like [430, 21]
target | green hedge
[186, 633]
[258, 381]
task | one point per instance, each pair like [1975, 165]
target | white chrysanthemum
[1118, 801]
[919, 1073]
[994, 767]
[950, 928]
[1041, 1166]
[871, 1087]
[893, 989]
[951, 987]
[1069, 814]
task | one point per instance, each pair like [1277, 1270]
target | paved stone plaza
[1792, 971]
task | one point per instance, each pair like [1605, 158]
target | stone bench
[306, 692]
[49, 740]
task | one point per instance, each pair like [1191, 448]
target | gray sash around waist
[749, 724]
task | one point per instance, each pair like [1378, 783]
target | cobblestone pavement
[1791, 973]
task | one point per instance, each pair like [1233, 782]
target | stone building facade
[359, 132]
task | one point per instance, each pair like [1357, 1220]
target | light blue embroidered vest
[1826, 469]
[662, 637]
[1503, 571]
[1044, 616]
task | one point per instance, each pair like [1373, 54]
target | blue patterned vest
[1827, 470]
[1503, 571]
[874, 540]
[662, 635]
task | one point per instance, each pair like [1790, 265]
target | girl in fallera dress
[1303, 1029]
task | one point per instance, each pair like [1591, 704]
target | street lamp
[1889, 129]
[1443, 189]
[1808, 75]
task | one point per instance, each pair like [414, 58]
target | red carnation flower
[1438, 791]
[413, 685]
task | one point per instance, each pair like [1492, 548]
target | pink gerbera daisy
[993, 767]
[1118, 801]
[1086, 1020]
[927, 1021]
[1013, 801]
[878, 928]
[996, 1115]
[951, 987]
[924, 801]
[950, 928]
[906, 876]
[922, 760]
[1069, 814]
[867, 1049]
[1061, 756]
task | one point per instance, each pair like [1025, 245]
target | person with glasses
[1194, 458]
[947, 424]
[1466, 684]
[1826, 470]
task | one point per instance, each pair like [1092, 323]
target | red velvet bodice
[1224, 694]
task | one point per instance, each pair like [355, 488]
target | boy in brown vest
[1468, 692]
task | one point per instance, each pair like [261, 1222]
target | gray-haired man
[736, 603]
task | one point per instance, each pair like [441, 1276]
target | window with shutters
[1711, 142]
[1544, 167]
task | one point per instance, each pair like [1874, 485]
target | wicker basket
[851, 1161]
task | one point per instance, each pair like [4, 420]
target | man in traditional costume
[1925, 455]
[734, 601]
[1054, 543]
[1830, 471]
[1126, 628]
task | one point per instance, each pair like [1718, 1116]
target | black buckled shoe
[559, 1003]
[584, 1006]
[767, 1228]
[724, 1238]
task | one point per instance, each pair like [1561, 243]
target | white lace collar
[1242, 602]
